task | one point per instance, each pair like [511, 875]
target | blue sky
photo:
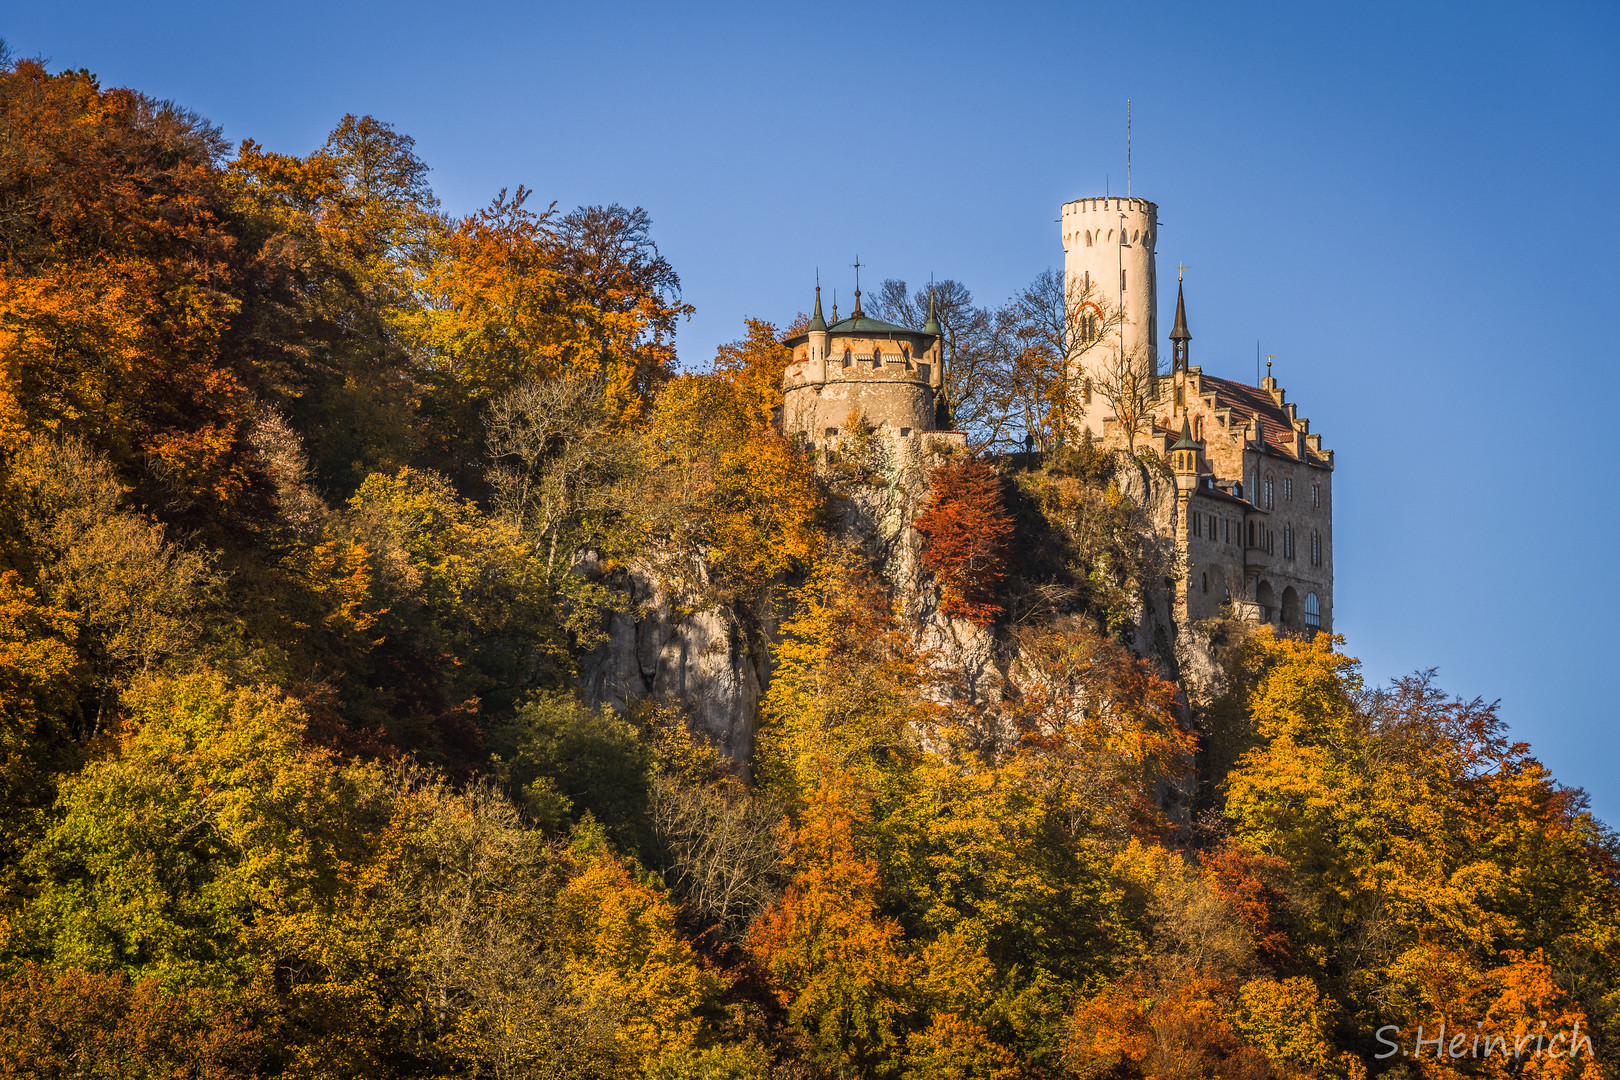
[1411, 205]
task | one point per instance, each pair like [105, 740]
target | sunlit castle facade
[1253, 514]
[862, 370]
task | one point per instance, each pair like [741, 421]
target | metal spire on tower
[1179, 336]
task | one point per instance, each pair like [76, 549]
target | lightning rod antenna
[1127, 148]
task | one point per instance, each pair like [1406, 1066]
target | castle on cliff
[1251, 514]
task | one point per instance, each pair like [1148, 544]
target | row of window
[904, 356]
[1311, 615]
[1220, 529]
[1266, 492]
[1124, 237]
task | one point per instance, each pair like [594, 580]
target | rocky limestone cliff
[718, 663]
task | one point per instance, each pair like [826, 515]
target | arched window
[1198, 429]
[877, 357]
[1313, 612]
[1254, 481]
[1088, 238]
[1271, 491]
[1205, 577]
[849, 356]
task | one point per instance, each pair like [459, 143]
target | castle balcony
[1255, 559]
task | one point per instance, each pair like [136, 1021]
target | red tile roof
[1249, 402]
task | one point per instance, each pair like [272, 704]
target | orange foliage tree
[967, 538]
[120, 281]
[830, 956]
[79, 1023]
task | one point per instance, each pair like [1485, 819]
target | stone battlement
[1111, 203]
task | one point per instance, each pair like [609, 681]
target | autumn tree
[731, 488]
[976, 360]
[121, 280]
[829, 954]
[1128, 384]
[512, 294]
[1054, 327]
[967, 538]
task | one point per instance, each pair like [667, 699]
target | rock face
[719, 665]
[702, 658]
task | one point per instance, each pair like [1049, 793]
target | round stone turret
[859, 368]
[1108, 246]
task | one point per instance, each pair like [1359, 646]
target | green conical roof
[932, 325]
[1186, 440]
[816, 321]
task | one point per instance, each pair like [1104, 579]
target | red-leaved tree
[967, 538]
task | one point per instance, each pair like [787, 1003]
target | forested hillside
[314, 502]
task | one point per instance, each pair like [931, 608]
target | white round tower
[1108, 267]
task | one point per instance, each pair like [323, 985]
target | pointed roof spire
[816, 321]
[1179, 331]
[1186, 440]
[857, 313]
[835, 305]
[932, 325]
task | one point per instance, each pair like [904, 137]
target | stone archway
[1290, 608]
[1266, 597]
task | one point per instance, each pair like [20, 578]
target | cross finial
[857, 265]
[1269, 358]
[1181, 270]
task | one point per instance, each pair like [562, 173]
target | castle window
[1254, 486]
[1088, 238]
[904, 432]
[877, 357]
[849, 357]
[905, 353]
[1288, 541]
[1288, 488]
[1122, 285]
[1313, 611]
[1205, 579]
[1251, 534]
[1226, 530]
[831, 432]
[1198, 429]
[1316, 548]
[1271, 491]
[1316, 496]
